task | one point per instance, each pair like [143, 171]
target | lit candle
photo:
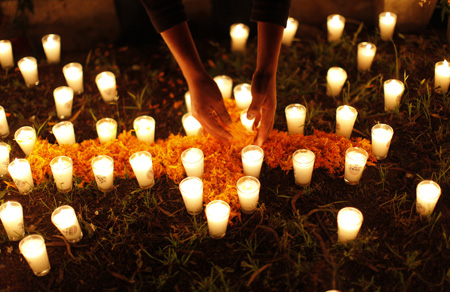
[29, 69]
[345, 120]
[4, 158]
[217, 214]
[393, 91]
[355, 161]
[427, 195]
[26, 138]
[4, 128]
[6, 54]
[289, 31]
[336, 78]
[193, 162]
[366, 54]
[349, 221]
[191, 126]
[73, 72]
[295, 118]
[191, 189]
[252, 158]
[239, 33]
[63, 100]
[65, 219]
[387, 21]
[441, 76]
[381, 140]
[225, 84]
[103, 168]
[303, 161]
[142, 165]
[106, 83]
[248, 124]
[11, 214]
[64, 133]
[62, 169]
[335, 27]
[248, 191]
[106, 130]
[34, 251]
[52, 48]
[243, 95]
[187, 100]
[144, 126]
[20, 172]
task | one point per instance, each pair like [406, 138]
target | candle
[6, 54]
[64, 133]
[106, 130]
[355, 161]
[248, 191]
[26, 138]
[243, 95]
[336, 78]
[187, 100]
[193, 162]
[252, 158]
[29, 69]
[366, 54]
[387, 21]
[349, 222]
[20, 172]
[106, 84]
[34, 251]
[393, 91]
[427, 195]
[381, 140]
[335, 27]
[295, 118]
[62, 169]
[303, 161]
[289, 31]
[248, 124]
[11, 214]
[191, 126]
[225, 84]
[63, 100]
[52, 48]
[239, 33]
[65, 219]
[73, 72]
[345, 119]
[4, 128]
[217, 214]
[191, 189]
[103, 168]
[441, 76]
[4, 158]
[142, 165]
[144, 126]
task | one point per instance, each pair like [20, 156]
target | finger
[212, 126]
[222, 112]
[265, 128]
[255, 107]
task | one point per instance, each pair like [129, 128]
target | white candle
[29, 69]
[345, 120]
[11, 214]
[34, 251]
[252, 158]
[303, 161]
[427, 195]
[295, 118]
[336, 78]
[289, 31]
[335, 27]
[144, 126]
[106, 84]
[103, 168]
[441, 76]
[366, 54]
[62, 169]
[6, 54]
[73, 72]
[52, 48]
[349, 221]
[142, 165]
[393, 91]
[193, 162]
[187, 100]
[225, 84]
[381, 140]
[63, 100]
[243, 95]
[248, 191]
[239, 33]
[248, 124]
[26, 138]
[4, 158]
[20, 172]
[355, 161]
[4, 128]
[217, 214]
[387, 21]
[106, 130]
[64, 133]
[191, 126]
[191, 189]
[65, 219]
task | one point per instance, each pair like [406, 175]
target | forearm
[269, 45]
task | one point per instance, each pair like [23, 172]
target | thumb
[255, 107]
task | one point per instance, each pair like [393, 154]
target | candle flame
[445, 63]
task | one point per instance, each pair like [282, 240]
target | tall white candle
[191, 126]
[289, 31]
[106, 130]
[427, 195]
[335, 27]
[303, 161]
[239, 34]
[20, 172]
[393, 91]
[4, 128]
[34, 251]
[187, 100]
[63, 100]
[193, 162]
[144, 126]
[11, 214]
[26, 138]
[349, 221]
[217, 214]
[103, 168]
[106, 84]
[64, 133]
[336, 78]
[243, 95]
[441, 76]
[355, 161]
[6, 54]
[381, 140]
[142, 165]
[248, 124]
[29, 69]
[345, 120]
[295, 118]
[365, 55]
[248, 192]
[387, 22]
[252, 158]
[52, 48]
[73, 72]
[4, 158]
[191, 189]
[62, 169]
[225, 84]
[65, 219]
